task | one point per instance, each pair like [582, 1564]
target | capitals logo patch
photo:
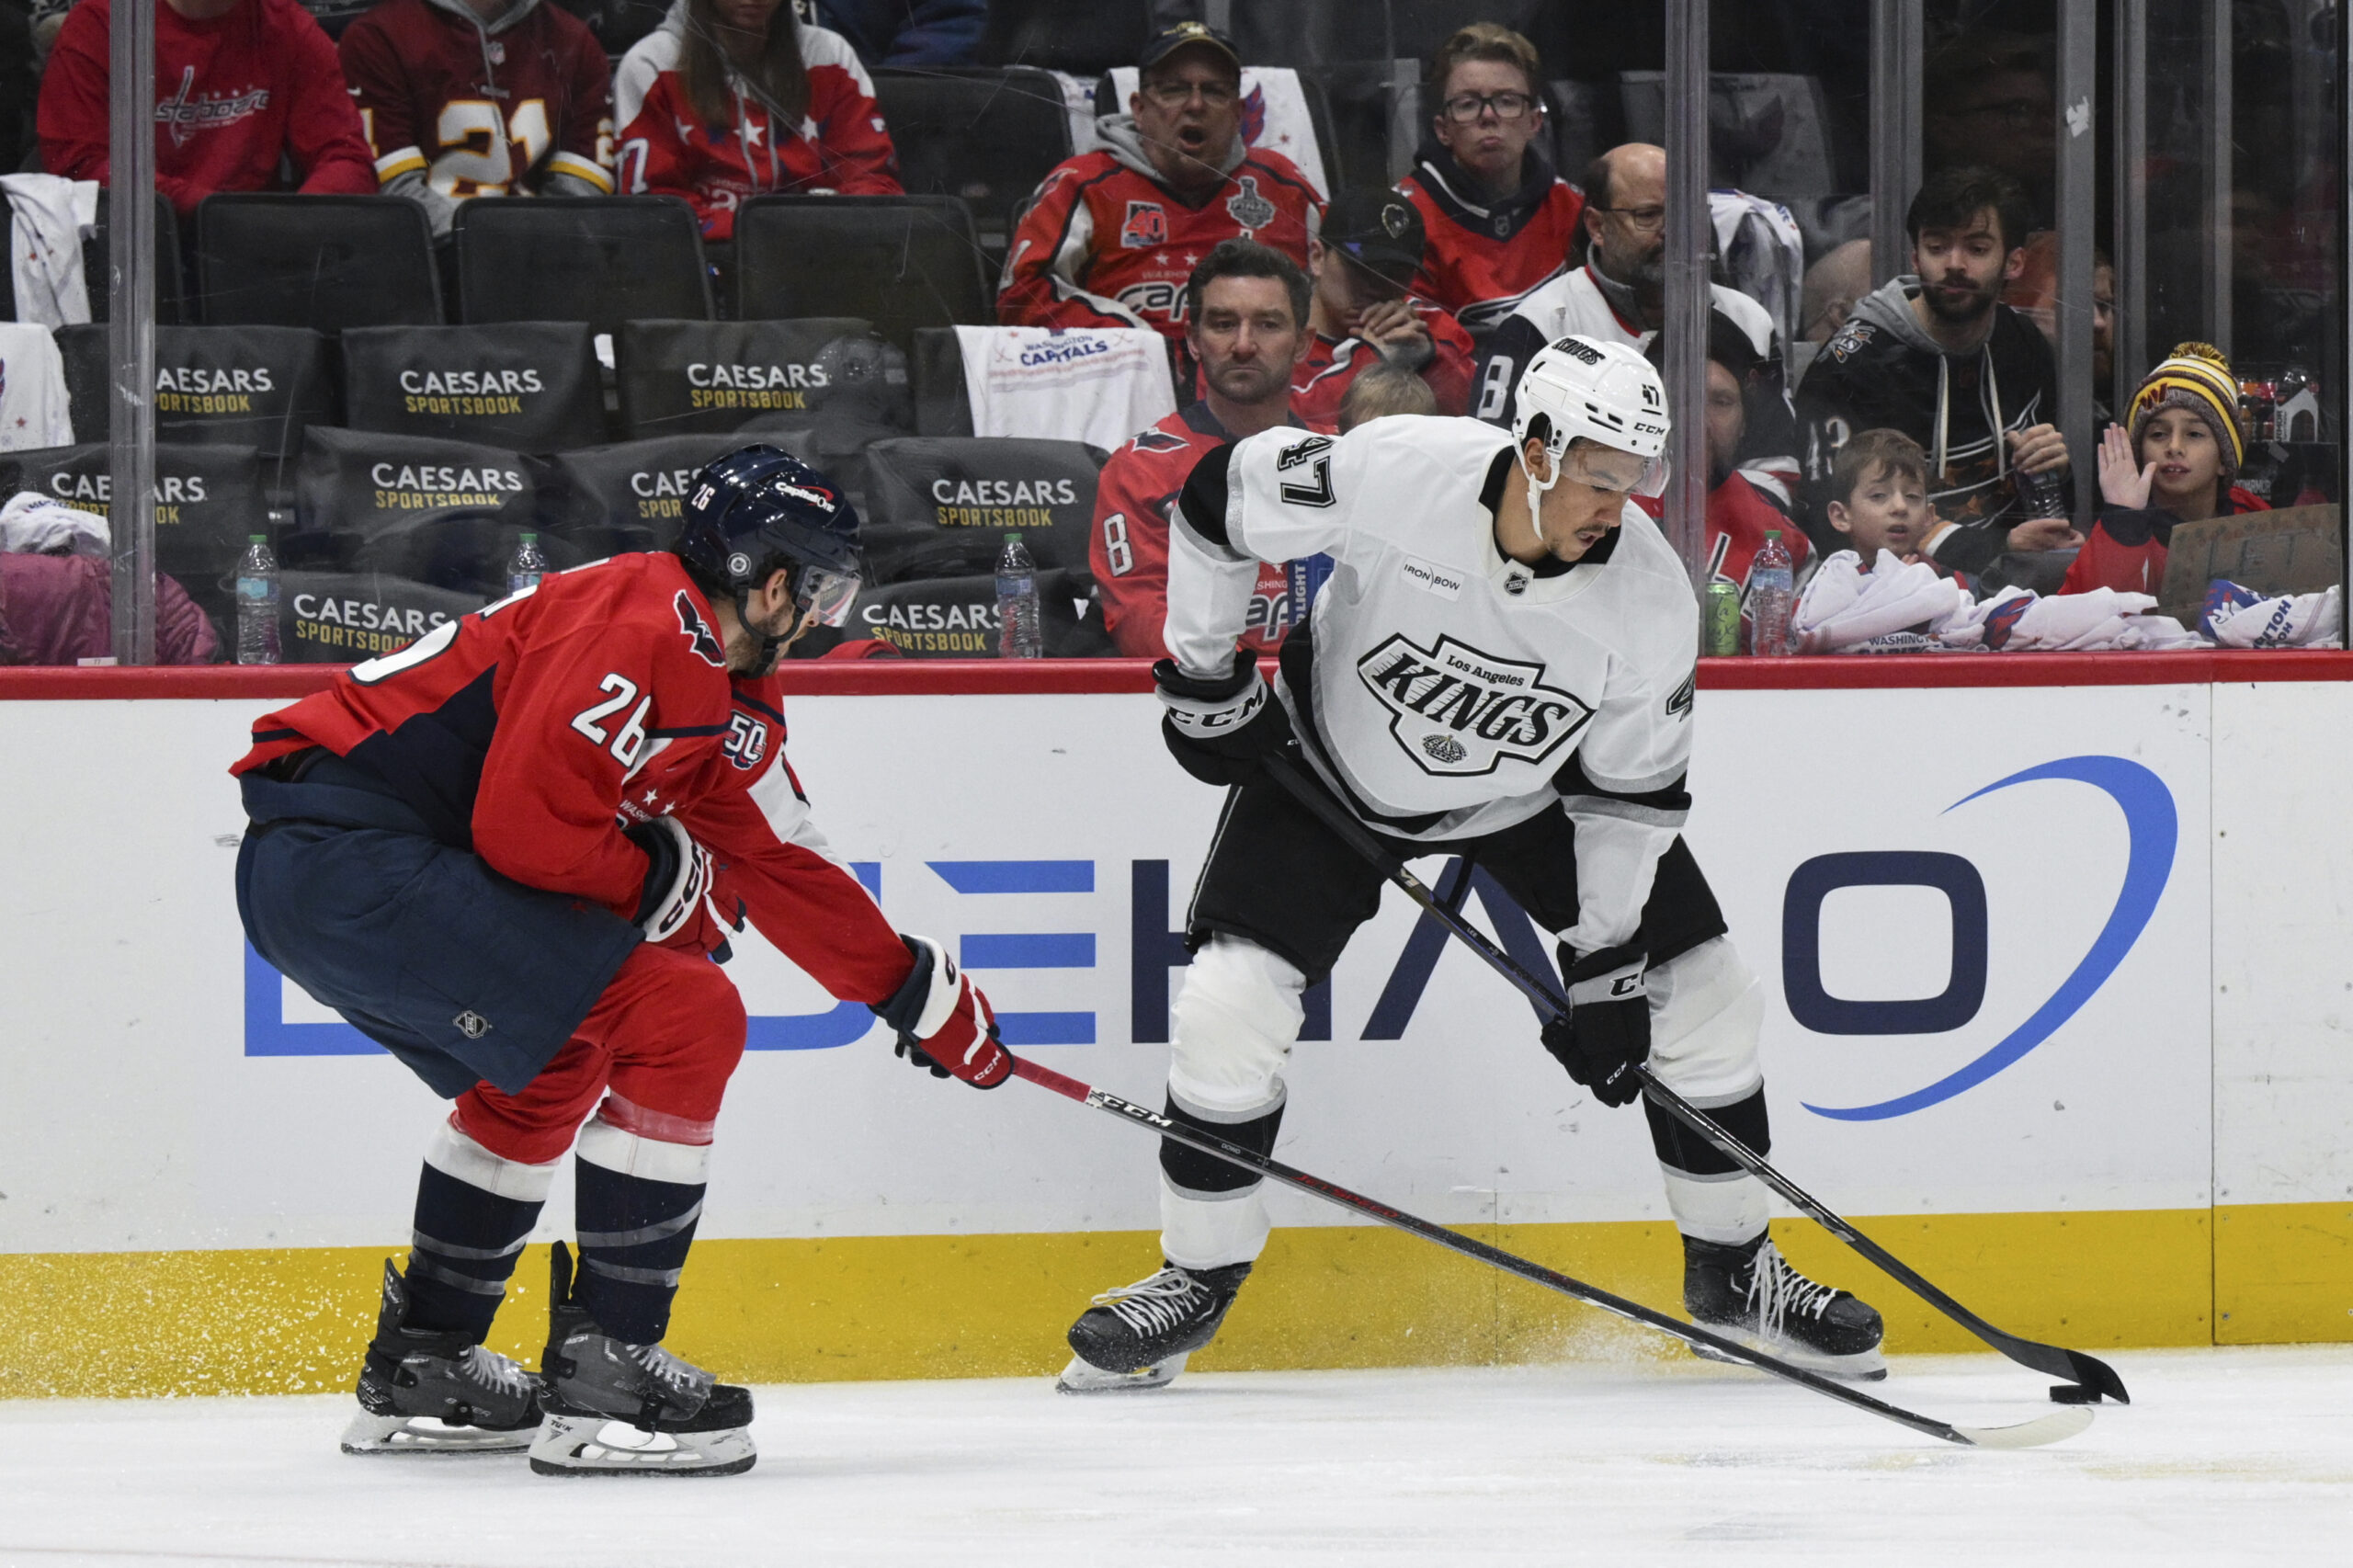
[1146, 226]
[699, 633]
[1460, 713]
[1246, 206]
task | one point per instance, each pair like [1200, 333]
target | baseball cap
[1378, 229]
[1168, 40]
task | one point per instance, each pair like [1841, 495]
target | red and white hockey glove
[675, 911]
[942, 1020]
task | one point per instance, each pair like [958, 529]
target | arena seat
[628, 496]
[252, 386]
[943, 406]
[530, 386]
[171, 276]
[941, 506]
[956, 618]
[341, 618]
[323, 262]
[901, 262]
[988, 136]
[1094, 384]
[601, 259]
[209, 500]
[694, 377]
[1084, 36]
[444, 513]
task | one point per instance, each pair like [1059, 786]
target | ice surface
[2228, 1456]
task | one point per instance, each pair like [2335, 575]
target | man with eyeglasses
[1619, 295]
[1500, 219]
[1111, 236]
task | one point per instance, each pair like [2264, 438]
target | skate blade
[1084, 1377]
[371, 1435]
[1863, 1367]
[600, 1445]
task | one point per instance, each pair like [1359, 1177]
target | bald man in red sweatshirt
[238, 83]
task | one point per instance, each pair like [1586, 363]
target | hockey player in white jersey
[1500, 667]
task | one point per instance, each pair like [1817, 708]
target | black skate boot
[427, 1392]
[1137, 1337]
[1750, 1293]
[621, 1409]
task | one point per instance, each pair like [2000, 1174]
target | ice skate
[619, 1409]
[1139, 1337]
[427, 1392]
[1750, 1293]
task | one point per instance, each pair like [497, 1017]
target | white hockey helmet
[1603, 392]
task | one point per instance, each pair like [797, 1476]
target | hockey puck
[2073, 1394]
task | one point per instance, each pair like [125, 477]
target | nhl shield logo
[1146, 226]
[1246, 206]
[1460, 713]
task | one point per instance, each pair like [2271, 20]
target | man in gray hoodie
[1937, 356]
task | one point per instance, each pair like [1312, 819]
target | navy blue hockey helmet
[760, 507]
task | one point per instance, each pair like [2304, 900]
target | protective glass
[1606, 467]
[1464, 109]
[826, 596]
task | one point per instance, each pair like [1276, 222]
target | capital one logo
[2154, 828]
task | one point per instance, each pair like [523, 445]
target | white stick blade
[2051, 1428]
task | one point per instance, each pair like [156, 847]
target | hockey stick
[2031, 1433]
[2087, 1372]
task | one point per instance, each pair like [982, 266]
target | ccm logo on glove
[942, 1020]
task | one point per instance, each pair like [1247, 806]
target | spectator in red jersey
[240, 85]
[1752, 474]
[1361, 315]
[745, 101]
[1501, 221]
[463, 98]
[1112, 236]
[1246, 314]
[2178, 464]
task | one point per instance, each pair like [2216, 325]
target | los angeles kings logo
[1459, 712]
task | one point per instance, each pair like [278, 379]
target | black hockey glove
[1220, 729]
[1608, 1034]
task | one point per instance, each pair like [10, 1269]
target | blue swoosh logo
[2154, 828]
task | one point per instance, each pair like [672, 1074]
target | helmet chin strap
[770, 647]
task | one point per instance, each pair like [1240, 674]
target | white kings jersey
[1451, 691]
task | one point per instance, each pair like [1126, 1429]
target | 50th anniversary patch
[1459, 712]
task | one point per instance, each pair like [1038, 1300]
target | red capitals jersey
[1480, 258]
[234, 96]
[528, 730]
[1135, 506]
[1322, 379]
[840, 145]
[1105, 244]
[481, 113]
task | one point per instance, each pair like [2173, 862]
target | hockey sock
[474, 1211]
[638, 1200]
[1712, 1198]
[1210, 1212]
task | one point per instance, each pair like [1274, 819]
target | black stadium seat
[683, 376]
[901, 262]
[323, 262]
[988, 136]
[250, 386]
[341, 618]
[601, 259]
[170, 274]
[956, 618]
[941, 506]
[1081, 36]
[445, 513]
[943, 403]
[631, 496]
[530, 386]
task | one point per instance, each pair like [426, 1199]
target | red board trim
[931, 677]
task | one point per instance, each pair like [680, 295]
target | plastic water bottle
[1019, 633]
[1770, 590]
[257, 603]
[526, 566]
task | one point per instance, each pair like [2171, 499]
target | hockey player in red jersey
[504, 853]
[1110, 236]
[243, 88]
[1362, 313]
[460, 99]
[746, 101]
[1502, 221]
[1244, 327]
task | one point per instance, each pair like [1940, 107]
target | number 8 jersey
[529, 731]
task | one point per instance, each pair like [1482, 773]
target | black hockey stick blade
[2065, 1422]
[2053, 1361]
